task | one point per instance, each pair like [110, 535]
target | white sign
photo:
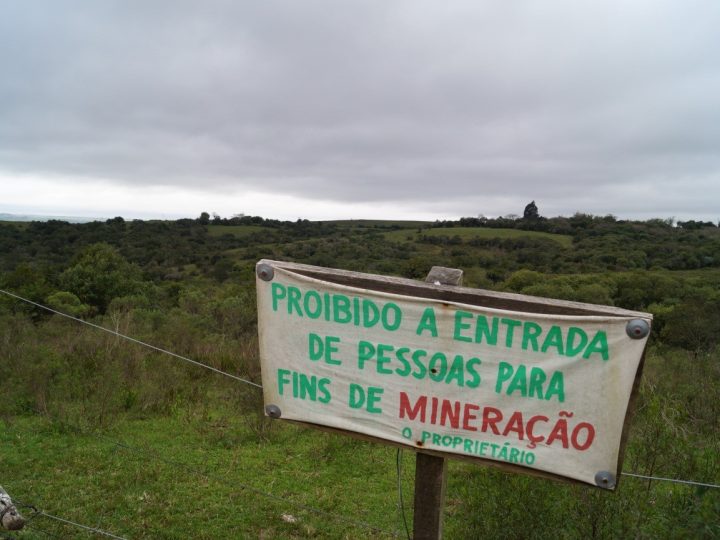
[545, 392]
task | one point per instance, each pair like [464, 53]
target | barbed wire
[675, 480]
[41, 513]
[398, 462]
[203, 473]
[81, 526]
[247, 486]
[132, 339]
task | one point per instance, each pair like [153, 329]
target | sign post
[430, 470]
[527, 384]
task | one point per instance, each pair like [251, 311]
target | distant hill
[69, 219]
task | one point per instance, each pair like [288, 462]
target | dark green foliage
[694, 324]
[100, 274]
[188, 286]
[204, 218]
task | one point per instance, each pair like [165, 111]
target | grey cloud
[460, 106]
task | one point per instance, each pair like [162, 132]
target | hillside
[105, 432]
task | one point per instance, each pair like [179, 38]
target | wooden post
[430, 477]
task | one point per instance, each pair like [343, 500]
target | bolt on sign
[535, 385]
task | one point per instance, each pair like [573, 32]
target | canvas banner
[545, 392]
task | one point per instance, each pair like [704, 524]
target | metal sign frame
[637, 328]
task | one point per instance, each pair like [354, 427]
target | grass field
[209, 471]
[379, 224]
[235, 230]
[164, 477]
[142, 445]
[467, 233]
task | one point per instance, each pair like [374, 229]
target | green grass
[208, 470]
[198, 463]
[208, 475]
[238, 231]
[209, 478]
[467, 233]
[378, 223]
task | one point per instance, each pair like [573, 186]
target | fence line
[137, 341]
[398, 463]
[42, 513]
[241, 485]
[677, 481]
[81, 526]
[246, 381]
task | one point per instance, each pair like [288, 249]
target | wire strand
[245, 486]
[398, 460]
[42, 513]
[81, 526]
[197, 471]
[137, 341]
[675, 480]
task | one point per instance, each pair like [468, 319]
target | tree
[204, 218]
[693, 325]
[68, 303]
[27, 280]
[531, 211]
[100, 274]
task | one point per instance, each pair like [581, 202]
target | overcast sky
[360, 109]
